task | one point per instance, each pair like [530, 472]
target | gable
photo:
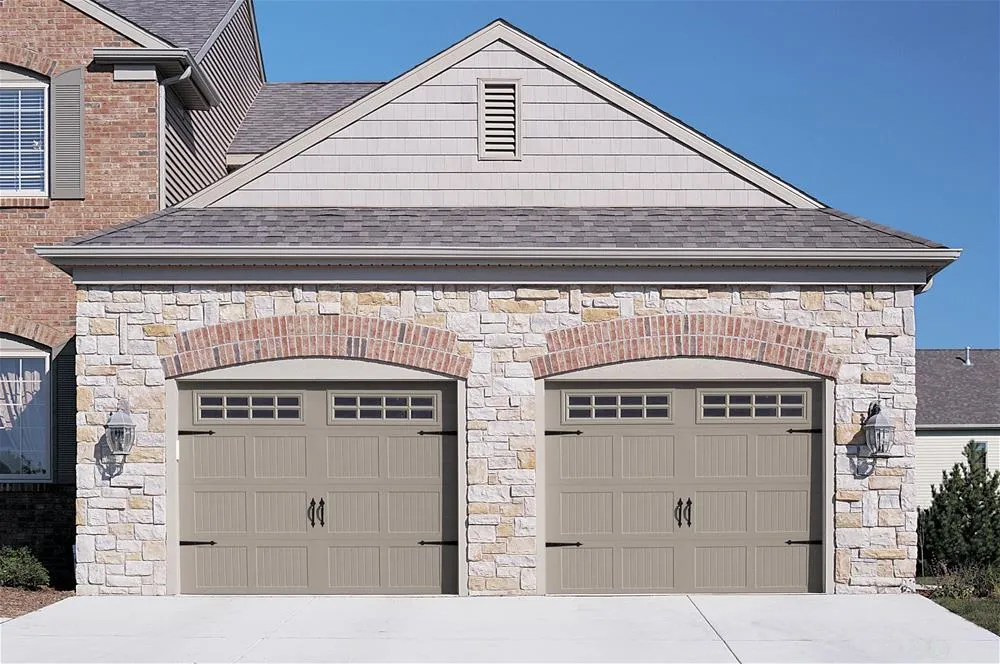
[594, 144]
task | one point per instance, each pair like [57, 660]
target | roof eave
[197, 92]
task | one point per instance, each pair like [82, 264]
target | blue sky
[890, 111]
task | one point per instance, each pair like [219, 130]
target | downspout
[164, 84]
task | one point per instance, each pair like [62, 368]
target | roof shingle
[951, 393]
[184, 23]
[284, 110]
[508, 227]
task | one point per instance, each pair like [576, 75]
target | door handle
[311, 513]
[320, 512]
[687, 512]
[677, 512]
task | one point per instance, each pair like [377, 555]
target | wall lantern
[121, 432]
[879, 430]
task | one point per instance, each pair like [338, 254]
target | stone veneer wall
[123, 334]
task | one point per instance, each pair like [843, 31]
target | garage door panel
[586, 457]
[221, 567]
[647, 513]
[219, 457]
[783, 456]
[220, 512]
[721, 456]
[782, 568]
[647, 457]
[353, 512]
[414, 568]
[586, 513]
[723, 512]
[354, 568]
[589, 570]
[280, 457]
[414, 457]
[782, 511]
[647, 568]
[282, 567]
[279, 512]
[720, 568]
[352, 457]
[413, 512]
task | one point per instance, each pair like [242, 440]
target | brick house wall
[38, 301]
[132, 339]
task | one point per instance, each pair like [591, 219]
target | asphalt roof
[284, 110]
[184, 23]
[612, 227]
[949, 392]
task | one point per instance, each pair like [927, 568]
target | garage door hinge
[437, 433]
[558, 432]
[559, 545]
[191, 432]
[439, 542]
[818, 541]
[805, 431]
[197, 543]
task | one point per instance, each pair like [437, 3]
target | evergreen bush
[19, 568]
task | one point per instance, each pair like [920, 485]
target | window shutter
[66, 151]
[499, 134]
[64, 430]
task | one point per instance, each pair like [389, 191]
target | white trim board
[120, 25]
[501, 31]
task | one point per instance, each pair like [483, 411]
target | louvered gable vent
[499, 121]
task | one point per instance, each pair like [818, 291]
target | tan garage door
[318, 488]
[682, 488]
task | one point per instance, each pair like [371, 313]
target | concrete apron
[704, 628]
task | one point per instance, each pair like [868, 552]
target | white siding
[196, 141]
[421, 150]
[937, 453]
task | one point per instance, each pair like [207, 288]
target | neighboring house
[108, 111]
[958, 401]
[496, 326]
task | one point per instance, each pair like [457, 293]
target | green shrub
[19, 568]
[968, 582]
[961, 528]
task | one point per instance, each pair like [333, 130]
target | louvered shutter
[499, 121]
[64, 429]
[66, 152]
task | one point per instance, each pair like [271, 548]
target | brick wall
[40, 517]
[129, 338]
[121, 162]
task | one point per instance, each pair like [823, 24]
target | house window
[979, 453]
[24, 102]
[499, 119]
[25, 413]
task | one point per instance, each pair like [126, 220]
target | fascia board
[957, 427]
[182, 56]
[505, 255]
[119, 24]
[497, 31]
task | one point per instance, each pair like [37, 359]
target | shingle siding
[196, 141]
[422, 150]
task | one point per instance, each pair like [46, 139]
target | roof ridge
[129, 224]
[887, 230]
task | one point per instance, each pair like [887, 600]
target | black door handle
[321, 512]
[311, 513]
[677, 512]
[687, 512]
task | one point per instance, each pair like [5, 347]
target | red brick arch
[284, 337]
[27, 59]
[32, 331]
[685, 335]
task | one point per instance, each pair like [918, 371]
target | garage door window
[618, 406]
[753, 405]
[245, 407]
[354, 407]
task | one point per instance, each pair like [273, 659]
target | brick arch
[32, 331]
[685, 335]
[310, 335]
[27, 59]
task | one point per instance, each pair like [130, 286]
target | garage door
[682, 488]
[318, 488]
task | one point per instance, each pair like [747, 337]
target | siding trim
[501, 31]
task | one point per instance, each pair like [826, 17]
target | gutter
[170, 62]
[270, 254]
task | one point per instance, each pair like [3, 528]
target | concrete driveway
[901, 628]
